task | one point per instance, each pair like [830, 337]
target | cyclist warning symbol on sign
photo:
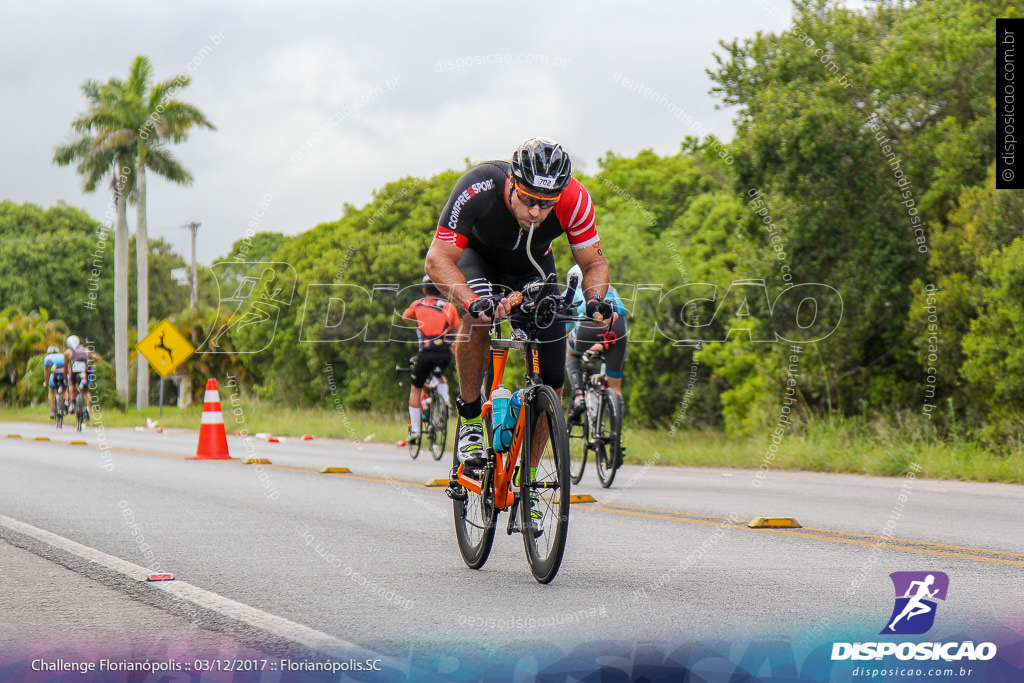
[165, 348]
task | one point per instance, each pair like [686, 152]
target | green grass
[882, 447]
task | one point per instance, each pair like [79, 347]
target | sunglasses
[531, 200]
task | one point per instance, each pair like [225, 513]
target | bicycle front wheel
[438, 428]
[475, 517]
[544, 493]
[608, 437]
[579, 436]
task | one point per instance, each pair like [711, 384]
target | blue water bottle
[503, 436]
[500, 398]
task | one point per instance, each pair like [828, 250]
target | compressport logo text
[947, 652]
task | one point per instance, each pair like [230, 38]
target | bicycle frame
[505, 462]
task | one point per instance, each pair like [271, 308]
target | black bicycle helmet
[429, 288]
[541, 165]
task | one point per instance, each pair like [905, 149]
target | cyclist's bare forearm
[594, 267]
[441, 266]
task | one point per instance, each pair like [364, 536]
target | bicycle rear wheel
[544, 493]
[608, 437]
[475, 517]
[438, 427]
[414, 445]
[79, 411]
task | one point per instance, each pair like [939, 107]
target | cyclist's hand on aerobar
[592, 352]
[486, 308]
[599, 309]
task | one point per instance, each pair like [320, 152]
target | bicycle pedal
[456, 491]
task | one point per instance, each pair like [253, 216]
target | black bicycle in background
[60, 405]
[80, 405]
[598, 429]
[433, 414]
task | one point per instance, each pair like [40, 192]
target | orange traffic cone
[213, 441]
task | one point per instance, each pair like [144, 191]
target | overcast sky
[319, 104]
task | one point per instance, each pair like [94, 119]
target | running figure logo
[914, 612]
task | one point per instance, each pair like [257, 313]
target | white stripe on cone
[211, 396]
[211, 418]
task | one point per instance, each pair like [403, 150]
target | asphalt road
[369, 559]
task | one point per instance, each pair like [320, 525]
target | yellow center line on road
[672, 514]
[911, 541]
[982, 556]
[816, 534]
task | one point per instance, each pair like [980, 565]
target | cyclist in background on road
[587, 337]
[436, 322]
[78, 359]
[494, 236]
[54, 377]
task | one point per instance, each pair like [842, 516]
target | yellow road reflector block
[436, 482]
[42, 438]
[774, 523]
[582, 498]
[76, 443]
[256, 461]
[335, 470]
[14, 436]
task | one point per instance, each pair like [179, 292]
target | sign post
[165, 348]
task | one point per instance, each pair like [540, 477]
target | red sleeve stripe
[586, 212]
[578, 218]
[451, 237]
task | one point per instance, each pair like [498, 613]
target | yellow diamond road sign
[165, 348]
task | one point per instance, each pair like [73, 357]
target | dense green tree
[59, 259]
[24, 337]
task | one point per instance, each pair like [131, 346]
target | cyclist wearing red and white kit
[497, 212]
[436, 322]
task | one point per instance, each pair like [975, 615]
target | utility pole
[185, 385]
[194, 227]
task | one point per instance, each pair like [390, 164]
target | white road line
[275, 625]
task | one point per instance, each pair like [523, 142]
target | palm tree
[144, 117]
[97, 156]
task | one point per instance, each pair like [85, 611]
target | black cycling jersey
[477, 216]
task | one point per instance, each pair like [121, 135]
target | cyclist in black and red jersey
[494, 236]
[436, 323]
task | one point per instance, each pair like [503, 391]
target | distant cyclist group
[68, 374]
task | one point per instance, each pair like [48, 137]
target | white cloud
[469, 84]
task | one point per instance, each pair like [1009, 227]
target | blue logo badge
[916, 593]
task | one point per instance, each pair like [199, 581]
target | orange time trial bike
[530, 478]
